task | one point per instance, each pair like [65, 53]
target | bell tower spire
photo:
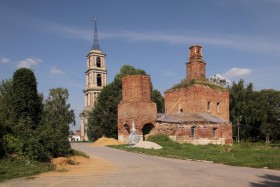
[95, 45]
[96, 80]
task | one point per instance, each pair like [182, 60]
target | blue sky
[240, 39]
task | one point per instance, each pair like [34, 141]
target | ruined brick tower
[198, 95]
[196, 65]
[136, 106]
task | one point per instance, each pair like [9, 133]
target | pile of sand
[106, 141]
[78, 166]
[63, 163]
[147, 145]
[60, 161]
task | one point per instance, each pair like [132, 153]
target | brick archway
[146, 130]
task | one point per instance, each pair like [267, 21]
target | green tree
[259, 112]
[2, 143]
[268, 116]
[57, 117]
[6, 98]
[103, 119]
[26, 103]
[23, 116]
[243, 107]
[6, 90]
[158, 99]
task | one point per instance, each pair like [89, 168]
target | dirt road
[111, 167]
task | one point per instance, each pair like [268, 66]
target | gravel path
[131, 169]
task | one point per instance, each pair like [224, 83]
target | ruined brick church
[196, 111]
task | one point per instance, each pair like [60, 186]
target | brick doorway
[147, 128]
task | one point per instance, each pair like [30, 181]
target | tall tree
[268, 116]
[26, 102]
[25, 118]
[2, 143]
[243, 110]
[158, 99]
[103, 118]
[259, 112]
[6, 91]
[57, 117]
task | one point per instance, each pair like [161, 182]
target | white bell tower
[96, 79]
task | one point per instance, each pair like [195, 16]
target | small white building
[74, 138]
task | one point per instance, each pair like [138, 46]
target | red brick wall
[195, 66]
[195, 100]
[136, 88]
[136, 105]
[196, 70]
[203, 132]
[139, 112]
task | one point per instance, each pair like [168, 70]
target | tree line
[30, 126]
[256, 112]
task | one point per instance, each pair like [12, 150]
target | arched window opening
[98, 62]
[208, 105]
[214, 132]
[218, 106]
[193, 132]
[99, 80]
[181, 110]
[127, 130]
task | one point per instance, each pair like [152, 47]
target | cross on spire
[95, 42]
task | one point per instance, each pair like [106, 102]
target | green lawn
[257, 155]
[19, 167]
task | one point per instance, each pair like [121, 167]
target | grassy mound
[188, 83]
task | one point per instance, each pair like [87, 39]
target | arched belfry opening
[98, 62]
[146, 130]
[99, 80]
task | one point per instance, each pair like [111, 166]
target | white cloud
[5, 61]
[28, 62]
[56, 71]
[237, 72]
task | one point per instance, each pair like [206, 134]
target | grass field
[257, 155]
[19, 167]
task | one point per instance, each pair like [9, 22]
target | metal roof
[189, 117]
[95, 45]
